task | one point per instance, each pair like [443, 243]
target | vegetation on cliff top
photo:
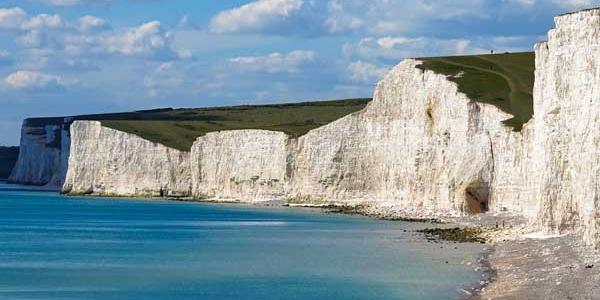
[503, 80]
[179, 128]
[8, 158]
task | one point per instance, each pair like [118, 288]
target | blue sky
[64, 57]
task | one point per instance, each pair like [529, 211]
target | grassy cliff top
[179, 128]
[503, 80]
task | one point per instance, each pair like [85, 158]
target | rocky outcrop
[566, 129]
[248, 165]
[105, 161]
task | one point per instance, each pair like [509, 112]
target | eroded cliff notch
[477, 197]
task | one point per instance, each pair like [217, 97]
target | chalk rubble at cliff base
[420, 148]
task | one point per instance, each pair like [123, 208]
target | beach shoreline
[515, 264]
[518, 263]
[502, 274]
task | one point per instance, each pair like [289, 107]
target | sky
[66, 57]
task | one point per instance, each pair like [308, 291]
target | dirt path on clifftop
[509, 81]
[514, 90]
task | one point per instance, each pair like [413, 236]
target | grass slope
[8, 158]
[504, 80]
[179, 128]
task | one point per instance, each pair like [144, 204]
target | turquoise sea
[56, 247]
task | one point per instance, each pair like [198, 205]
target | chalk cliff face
[104, 161]
[566, 140]
[42, 160]
[421, 148]
[247, 165]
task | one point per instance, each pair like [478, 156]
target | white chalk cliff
[565, 166]
[240, 165]
[420, 148]
[43, 154]
[105, 161]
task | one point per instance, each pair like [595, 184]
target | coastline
[513, 265]
[517, 263]
[299, 251]
[488, 236]
[467, 291]
[485, 267]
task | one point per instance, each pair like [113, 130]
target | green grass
[503, 80]
[179, 128]
[8, 157]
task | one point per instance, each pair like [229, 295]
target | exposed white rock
[241, 165]
[566, 143]
[420, 148]
[40, 159]
[104, 161]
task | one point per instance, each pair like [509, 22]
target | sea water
[57, 247]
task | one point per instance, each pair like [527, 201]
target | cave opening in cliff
[476, 198]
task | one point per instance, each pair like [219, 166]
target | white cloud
[43, 21]
[17, 19]
[396, 48]
[573, 3]
[79, 65]
[570, 4]
[143, 40]
[366, 72]
[523, 2]
[12, 18]
[374, 17]
[183, 21]
[392, 49]
[61, 2]
[166, 76]
[274, 62]
[5, 57]
[339, 20]
[24, 79]
[89, 35]
[147, 40]
[393, 17]
[90, 23]
[73, 2]
[254, 16]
